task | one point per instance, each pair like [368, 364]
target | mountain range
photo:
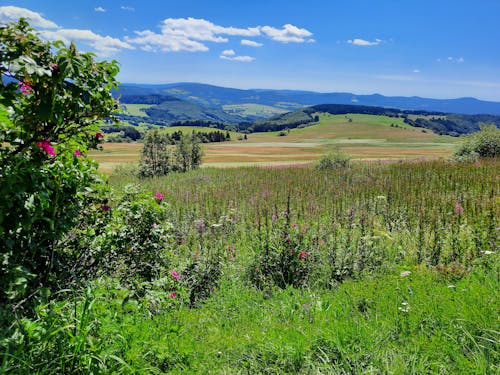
[287, 100]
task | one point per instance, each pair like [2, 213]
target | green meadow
[364, 137]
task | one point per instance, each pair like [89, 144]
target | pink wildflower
[294, 225]
[175, 275]
[54, 67]
[159, 195]
[99, 135]
[78, 153]
[46, 147]
[459, 210]
[274, 217]
[303, 255]
[25, 88]
[173, 294]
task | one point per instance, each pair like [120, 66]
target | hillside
[215, 96]
[438, 122]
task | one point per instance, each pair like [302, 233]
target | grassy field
[252, 109]
[136, 109]
[380, 268]
[364, 137]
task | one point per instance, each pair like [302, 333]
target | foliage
[483, 144]
[332, 160]
[158, 158]
[54, 96]
[285, 257]
[129, 239]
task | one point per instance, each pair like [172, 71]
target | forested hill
[216, 96]
[439, 122]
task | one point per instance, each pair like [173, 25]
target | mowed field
[364, 137]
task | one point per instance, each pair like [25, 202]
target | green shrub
[50, 110]
[333, 160]
[483, 144]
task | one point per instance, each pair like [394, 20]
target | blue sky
[438, 49]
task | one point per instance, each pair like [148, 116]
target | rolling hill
[215, 96]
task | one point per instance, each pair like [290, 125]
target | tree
[156, 157]
[52, 98]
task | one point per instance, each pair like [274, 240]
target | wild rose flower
[25, 88]
[459, 210]
[54, 67]
[303, 255]
[175, 275]
[46, 147]
[78, 153]
[159, 195]
[99, 135]
[173, 294]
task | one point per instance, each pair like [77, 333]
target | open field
[364, 137]
[252, 109]
[135, 109]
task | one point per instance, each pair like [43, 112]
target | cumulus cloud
[191, 34]
[288, 34]
[230, 54]
[364, 43]
[104, 45]
[251, 43]
[167, 43]
[12, 13]
[127, 8]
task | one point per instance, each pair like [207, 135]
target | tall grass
[375, 268]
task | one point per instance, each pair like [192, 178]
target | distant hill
[216, 97]
[438, 122]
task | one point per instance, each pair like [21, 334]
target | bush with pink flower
[52, 98]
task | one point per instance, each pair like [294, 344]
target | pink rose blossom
[99, 135]
[78, 153]
[175, 275]
[302, 255]
[173, 294]
[25, 88]
[46, 147]
[159, 196]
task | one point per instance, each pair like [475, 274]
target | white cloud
[452, 59]
[364, 43]
[127, 8]
[200, 29]
[251, 43]
[229, 54]
[189, 34]
[166, 43]
[238, 58]
[11, 13]
[100, 9]
[103, 45]
[288, 34]
[416, 71]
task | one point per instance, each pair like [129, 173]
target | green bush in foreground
[50, 108]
